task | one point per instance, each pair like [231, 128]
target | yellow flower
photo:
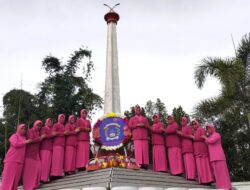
[111, 114]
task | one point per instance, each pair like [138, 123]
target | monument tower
[112, 87]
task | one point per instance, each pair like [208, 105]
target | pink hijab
[71, 117]
[211, 127]
[59, 118]
[184, 121]
[37, 122]
[84, 110]
[19, 128]
[156, 117]
[47, 121]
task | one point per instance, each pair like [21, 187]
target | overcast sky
[159, 43]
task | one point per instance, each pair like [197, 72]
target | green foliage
[158, 107]
[63, 91]
[178, 113]
[130, 113]
[149, 110]
[229, 110]
[22, 102]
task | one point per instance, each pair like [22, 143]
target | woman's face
[50, 123]
[137, 110]
[84, 114]
[72, 120]
[39, 125]
[195, 125]
[22, 130]
[209, 130]
[62, 119]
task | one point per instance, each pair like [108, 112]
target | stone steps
[111, 178]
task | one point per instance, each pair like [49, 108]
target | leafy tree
[130, 113]
[19, 107]
[229, 110]
[149, 110]
[178, 113]
[64, 90]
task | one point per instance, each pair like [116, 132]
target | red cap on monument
[111, 17]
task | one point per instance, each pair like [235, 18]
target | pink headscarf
[156, 117]
[71, 117]
[137, 110]
[37, 122]
[210, 126]
[19, 127]
[84, 110]
[47, 121]
[171, 118]
[184, 120]
[59, 117]
[137, 106]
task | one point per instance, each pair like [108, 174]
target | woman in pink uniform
[83, 141]
[217, 158]
[203, 166]
[187, 149]
[159, 152]
[46, 148]
[70, 148]
[139, 126]
[58, 147]
[32, 164]
[173, 143]
[14, 159]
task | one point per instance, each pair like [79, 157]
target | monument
[111, 132]
[112, 87]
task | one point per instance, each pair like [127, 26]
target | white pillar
[112, 87]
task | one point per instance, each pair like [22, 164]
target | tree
[178, 113]
[19, 107]
[158, 107]
[229, 110]
[149, 110]
[63, 91]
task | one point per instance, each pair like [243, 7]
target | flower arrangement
[99, 135]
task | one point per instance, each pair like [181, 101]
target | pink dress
[32, 165]
[203, 166]
[58, 151]
[83, 142]
[70, 148]
[46, 148]
[218, 161]
[140, 137]
[173, 144]
[159, 152]
[13, 162]
[188, 153]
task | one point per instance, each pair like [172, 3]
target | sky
[160, 43]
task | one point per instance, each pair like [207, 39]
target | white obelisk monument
[112, 87]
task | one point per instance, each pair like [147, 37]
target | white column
[112, 87]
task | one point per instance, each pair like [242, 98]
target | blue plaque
[112, 132]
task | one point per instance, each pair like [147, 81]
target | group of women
[48, 151]
[53, 150]
[190, 149]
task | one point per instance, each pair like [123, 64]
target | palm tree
[230, 108]
[234, 77]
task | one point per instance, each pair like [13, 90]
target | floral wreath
[126, 130]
